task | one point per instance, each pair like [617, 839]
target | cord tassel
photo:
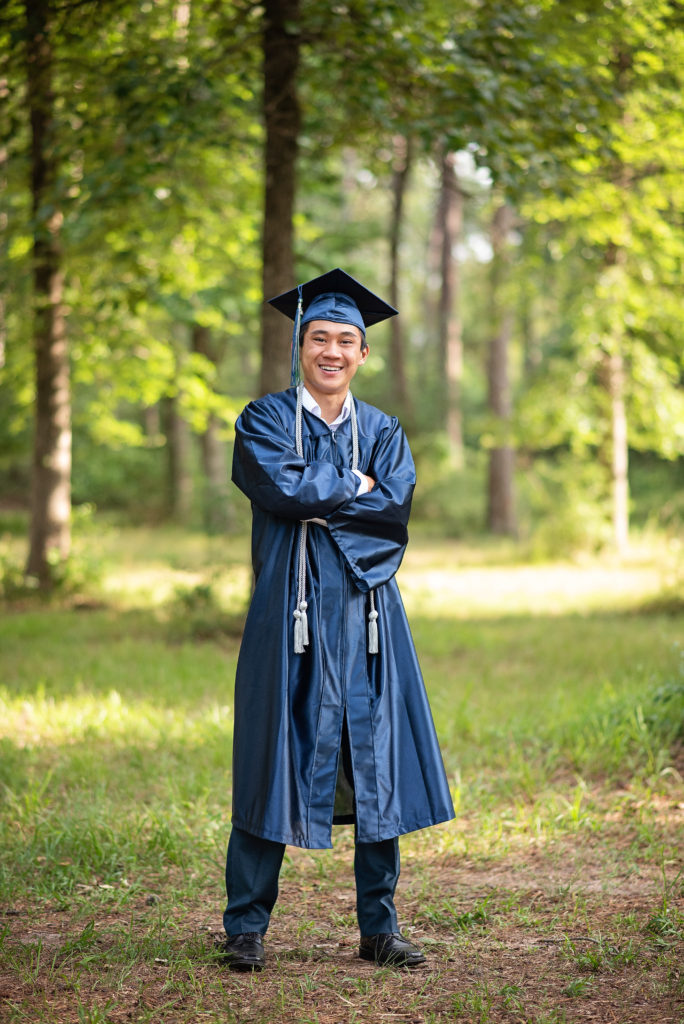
[373, 645]
[301, 626]
[304, 624]
[294, 364]
[298, 641]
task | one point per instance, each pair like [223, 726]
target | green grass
[559, 701]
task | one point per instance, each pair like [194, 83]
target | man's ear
[364, 354]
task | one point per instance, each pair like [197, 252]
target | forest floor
[556, 896]
[579, 931]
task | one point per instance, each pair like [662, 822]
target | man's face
[329, 357]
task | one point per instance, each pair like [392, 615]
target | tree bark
[50, 531]
[3, 253]
[615, 378]
[501, 517]
[397, 354]
[450, 325]
[615, 454]
[179, 474]
[613, 368]
[281, 124]
[151, 421]
[215, 504]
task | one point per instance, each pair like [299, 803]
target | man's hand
[369, 481]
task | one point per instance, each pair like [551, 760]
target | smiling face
[329, 356]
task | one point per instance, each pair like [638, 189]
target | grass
[558, 699]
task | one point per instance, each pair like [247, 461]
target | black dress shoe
[245, 952]
[390, 949]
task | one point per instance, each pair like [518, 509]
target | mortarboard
[333, 296]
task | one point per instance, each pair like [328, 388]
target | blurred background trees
[510, 175]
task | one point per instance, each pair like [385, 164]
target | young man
[332, 722]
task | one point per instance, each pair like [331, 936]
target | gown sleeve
[371, 532]
[268, 470]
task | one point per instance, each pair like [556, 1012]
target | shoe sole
[408, 961]
[245, 965]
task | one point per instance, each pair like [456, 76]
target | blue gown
[290, 708]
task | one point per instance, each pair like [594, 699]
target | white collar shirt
[312, 406]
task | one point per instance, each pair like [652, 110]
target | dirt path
[576, 933]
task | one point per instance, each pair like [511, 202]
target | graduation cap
[334, 296]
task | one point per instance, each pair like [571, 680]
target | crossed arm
[369, 528]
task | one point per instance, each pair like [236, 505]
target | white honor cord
[301, 628]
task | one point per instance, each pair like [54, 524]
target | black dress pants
[252, 869]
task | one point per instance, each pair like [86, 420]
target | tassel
[305, 623]
[301, 628]
[373, 632]
[298, 641]
[294, 365]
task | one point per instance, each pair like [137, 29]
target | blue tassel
[294, 366]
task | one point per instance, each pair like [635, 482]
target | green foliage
[196, 613]
[564, 506]
[159, 128]
[451, 501]
[595, 956]
[14, 584]
[634, 734]
[445, 915]
[130, 477]
[79, 574]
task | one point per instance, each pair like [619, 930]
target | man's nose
[332, 349]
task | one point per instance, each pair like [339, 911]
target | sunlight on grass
[547, 684]
[492, 592]
[154, 584]
[41, 719]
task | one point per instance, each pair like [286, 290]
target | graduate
[332, 722]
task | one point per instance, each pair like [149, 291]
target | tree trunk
[615, 454]
[281, 123]
[179, 472]
[501, 499]
[613, 361]
[3, 253]
[615, 378]
[215, 504]
[151, 421]
[430, 373]
[450, 326]
[50, 532]
[399, 385]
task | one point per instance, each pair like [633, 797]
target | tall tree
[179, 489]
[615, 218]
[215, 498]
[281, 123]
[450, 324]
[50, 532]
[401, 166]
[501, 516]
[613, 368]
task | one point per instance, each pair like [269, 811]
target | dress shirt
[311, 405]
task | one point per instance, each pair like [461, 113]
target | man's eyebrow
[324, 330]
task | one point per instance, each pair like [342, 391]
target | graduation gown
[290, 708]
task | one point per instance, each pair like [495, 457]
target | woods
[509, 176]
